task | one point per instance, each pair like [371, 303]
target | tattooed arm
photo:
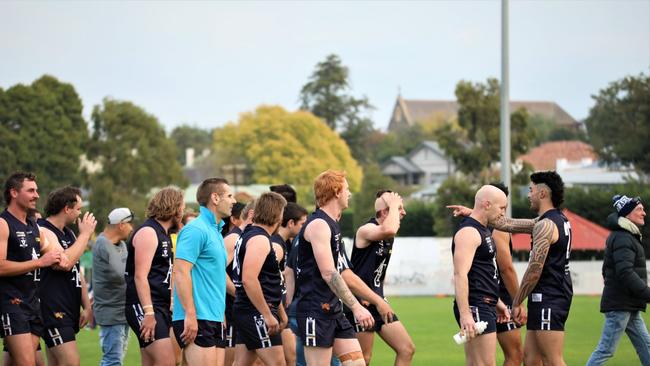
[511, 225]
[503, 223]
[544, 234]
[318, 234]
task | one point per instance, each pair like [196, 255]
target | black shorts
[252, 331]
[56, 336]
[229, 335]
[134, 315]
[508, 326]
[481, 312]
[379, 322]
[210, 333]
[547, 313]
[21, 322]
[314, 332]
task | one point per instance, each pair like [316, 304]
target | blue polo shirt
[200, 243]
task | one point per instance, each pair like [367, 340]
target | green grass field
[431, 323]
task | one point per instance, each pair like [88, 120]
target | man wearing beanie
[626, 292]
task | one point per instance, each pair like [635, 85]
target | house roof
[545, 156]
[587, 235]
[404, 163]
[431, 145]
[420, 110]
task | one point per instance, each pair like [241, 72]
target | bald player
[476, 278]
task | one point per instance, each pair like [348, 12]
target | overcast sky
[204, 62]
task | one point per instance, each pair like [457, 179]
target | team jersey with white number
[555, 280]
[370, 263]
[161, 267]
[60, 291]
[483, 276]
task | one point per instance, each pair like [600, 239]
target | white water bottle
[480, 328]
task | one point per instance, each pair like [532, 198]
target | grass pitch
[431, 323]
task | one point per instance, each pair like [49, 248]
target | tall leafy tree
[42, 130]
[327, 95]
[619, 122]
[186, 136]
[474, 144]
[277, 146]
[134, 155]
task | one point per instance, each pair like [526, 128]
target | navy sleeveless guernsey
[483, 276]
[555, 280]
[230, 300]
[60, 291]
[23, 244]
[269, 276]
[314, 298]
[370, 263]
[161, 267]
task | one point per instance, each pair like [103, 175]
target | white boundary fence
[423, 266]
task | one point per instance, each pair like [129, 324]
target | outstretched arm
[503, 223]
[511, 225]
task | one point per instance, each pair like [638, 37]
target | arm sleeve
[189, 244]
[624, 255]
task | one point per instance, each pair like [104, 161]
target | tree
[474, 144]
[42, 130]
[277, 146]
[135, 156]
[453, 191]
[546, 129]
[619, 122]
[186, 136]
[326, 96]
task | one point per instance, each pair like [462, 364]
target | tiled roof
[420, 110]
[587, 235]
[404, 163]
[545, 156]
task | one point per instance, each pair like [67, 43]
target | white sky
[204, 62]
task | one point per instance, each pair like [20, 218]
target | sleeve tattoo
[511, 225]
[542, 236]
[340, 289]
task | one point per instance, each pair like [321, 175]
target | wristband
[149, 313]
[147, 306]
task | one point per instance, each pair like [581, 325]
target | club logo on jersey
[165, 248]
[21, 237]
[65, 243]
[380, 248]
[488, 240]
[325, 307]
[59, 314]
[16, 301]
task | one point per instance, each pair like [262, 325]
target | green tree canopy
[135, 156]
[326, 95]
[453, 191]
[42, 130]
[186, 136]
[619, 122]
[284, 147]
[475, 143]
